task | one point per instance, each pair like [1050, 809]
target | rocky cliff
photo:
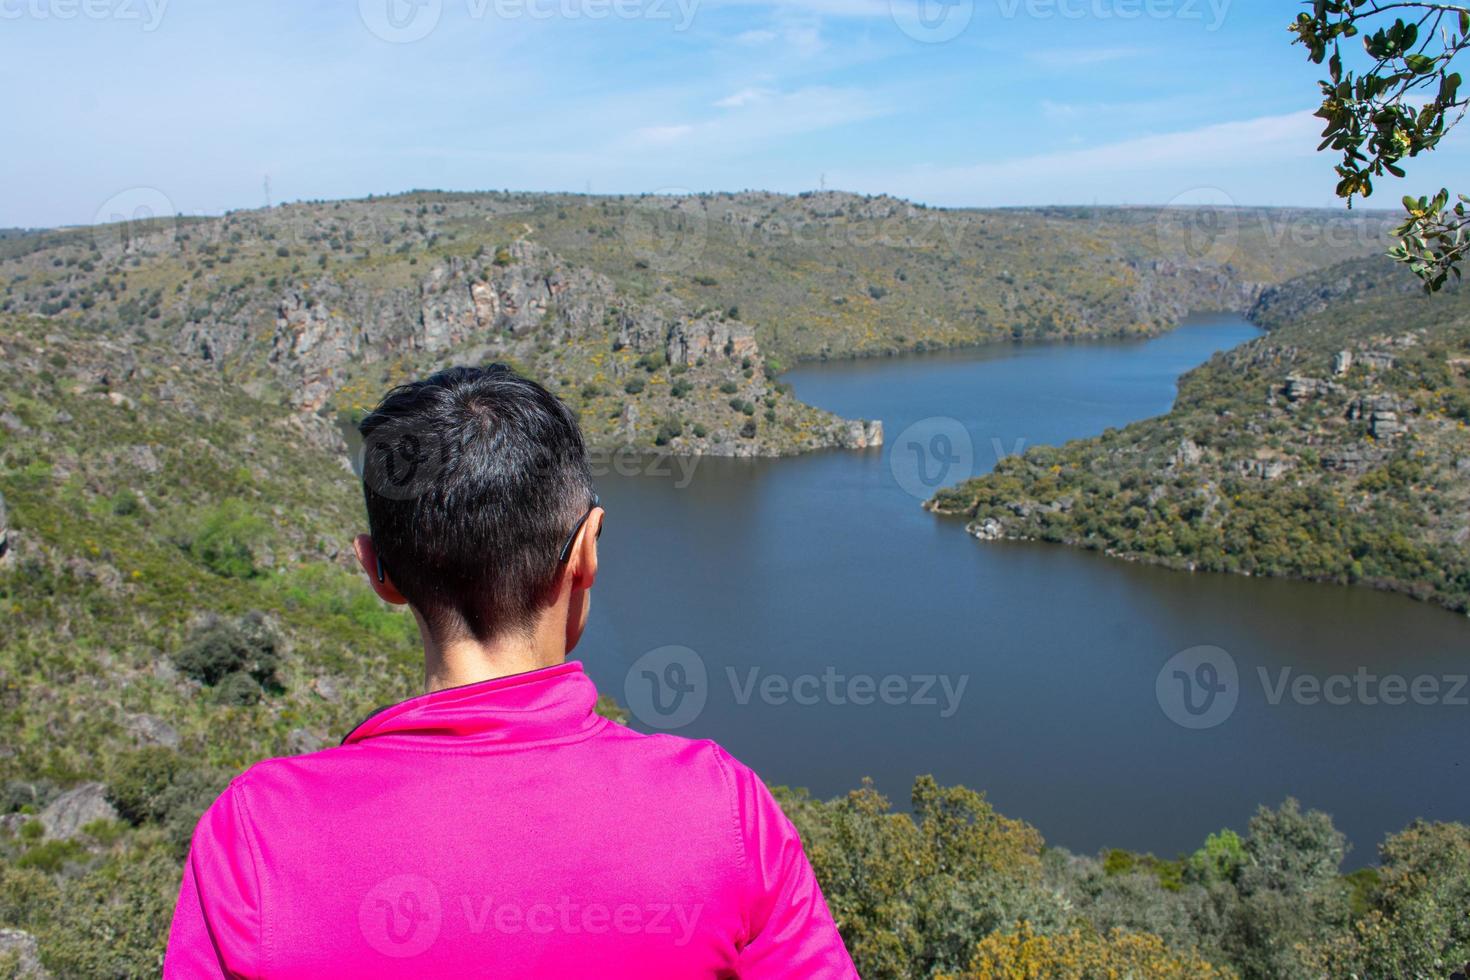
[662, 320]
[327, 341]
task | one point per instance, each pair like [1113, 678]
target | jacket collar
[547, 705]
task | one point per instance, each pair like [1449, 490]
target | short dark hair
[473, 478]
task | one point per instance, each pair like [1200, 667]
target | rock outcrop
[20, 954]
[64, 817]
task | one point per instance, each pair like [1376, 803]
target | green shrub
[330, 591]
[50, 856]
[219, 648]
[26, 795]
[226, 538]
[237, 690]
[136, 789]
[633, 385]
[161, 787]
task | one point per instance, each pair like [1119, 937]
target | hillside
[177, 500]
[662, 320]
[177, 605]
[172, 612]
[1333, 448]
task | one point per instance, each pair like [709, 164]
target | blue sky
[951, 102]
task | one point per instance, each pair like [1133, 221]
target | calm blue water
[819, 576]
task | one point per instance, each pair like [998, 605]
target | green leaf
[1448, 87]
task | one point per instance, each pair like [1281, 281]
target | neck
[455, 663]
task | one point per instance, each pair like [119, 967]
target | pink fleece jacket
[501, 829]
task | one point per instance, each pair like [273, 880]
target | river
[811, 617]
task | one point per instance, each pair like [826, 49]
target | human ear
[584, 556]
[367, 557]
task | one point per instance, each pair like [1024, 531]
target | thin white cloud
[773, 116]
[800, 33]
[1124, 116]
[803, 37]
[744, 97]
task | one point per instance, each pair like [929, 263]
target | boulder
[1188, 454]
[1300, 388]
[64, 817]
[709, 338]
[1385, 425]
[989, 529]
[1265, 469]
[300, 741]
[19, 952]
[152, 730]
[1369, 405]
[860, 434]
[1346, 460]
